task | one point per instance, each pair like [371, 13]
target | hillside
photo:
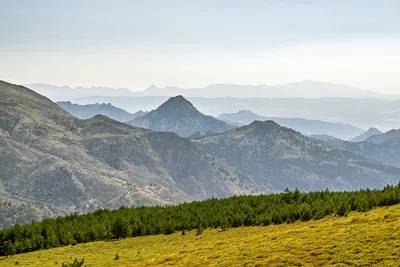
[304, 126]
[364, 136]
[50, 157]
[323, 137]
[281, 157]
[333, 241]
[15, 210]
[91, 110]
[179, 116]
[383, 148]
[390, 137]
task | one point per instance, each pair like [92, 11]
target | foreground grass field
[361, 239]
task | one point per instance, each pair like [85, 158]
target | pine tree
[342, 210]
[8, 248]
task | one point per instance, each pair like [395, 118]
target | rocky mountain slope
[383, 148]
[48, 156]
[15, 210]
[364, 136]
[179, 116]
[91, 110]
[390, 137]
[306, 127]
[280, 157]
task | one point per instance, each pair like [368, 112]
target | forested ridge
[286, 207]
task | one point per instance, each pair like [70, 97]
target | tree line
[235, 211]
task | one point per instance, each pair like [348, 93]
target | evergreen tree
[8, 248]
[342, 210]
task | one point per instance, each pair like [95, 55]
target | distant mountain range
[363, 113]
[303, 89]
[91, 110]
[53, 163]
[306, 127]
[184, 112]
[62, 93]
[179, 116]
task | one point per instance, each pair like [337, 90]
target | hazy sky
[187, 43]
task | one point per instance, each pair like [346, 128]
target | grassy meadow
[360, 239]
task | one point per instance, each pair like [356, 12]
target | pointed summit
[366, 135]
[178, 115]
[152, 87]
[179, 99]
[374, 130]
[177, 102]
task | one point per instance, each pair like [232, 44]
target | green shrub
[75, 263]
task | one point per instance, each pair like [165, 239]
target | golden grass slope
[361, 239]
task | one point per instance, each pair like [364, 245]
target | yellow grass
[361, 239]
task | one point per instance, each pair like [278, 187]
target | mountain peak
[258, 123]
[178, 98]
[151, 87]
[265, 128]
[373, 130]
[176, 102]
[366, 135]
[178, 115]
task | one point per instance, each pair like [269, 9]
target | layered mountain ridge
[305, 126]
[53, 163]
[51, 157]
[91, 110]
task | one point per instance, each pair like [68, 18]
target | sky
[190, 44]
